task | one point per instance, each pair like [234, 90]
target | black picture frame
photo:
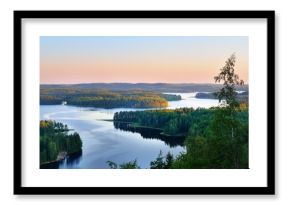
[19, 189]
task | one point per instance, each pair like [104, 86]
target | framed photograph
[144, 102]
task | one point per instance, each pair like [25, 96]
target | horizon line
[128, 83]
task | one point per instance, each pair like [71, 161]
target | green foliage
[112, 164]
[162, 162]
[130, 165]
[54, 139]
[170, 97]
[127, 165]
[230, 80]
[223, 143]
[240, 97]
[158, 163]
[173, 122]
[209, 141]
[105, 98]
[213, 147]
[196, 156]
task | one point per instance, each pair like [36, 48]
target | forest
[155, 87]
[172, 122]
[240, 97]
[150, 133]
[208, 141]
[56, 143]
[216, 138]
[178, 121]
[105, 98]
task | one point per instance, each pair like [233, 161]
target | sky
[139, 59]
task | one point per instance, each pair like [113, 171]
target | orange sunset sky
[135, 59]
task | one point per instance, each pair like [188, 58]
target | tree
[227, 144]
[168, 160]
[127, 165]
[112, 164]
[228, 92]
[230, 80]
[158, 163]
[130, 165]
[162, 162]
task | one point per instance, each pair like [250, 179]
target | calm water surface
[103, 142]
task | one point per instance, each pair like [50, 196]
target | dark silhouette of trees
[162, 162]
[127, 165]
[230, 80]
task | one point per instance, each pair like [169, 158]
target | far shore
[161, 131]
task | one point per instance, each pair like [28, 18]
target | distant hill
[158, 87]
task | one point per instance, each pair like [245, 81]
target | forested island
[241, 96]
[105, 98]
[56, 143]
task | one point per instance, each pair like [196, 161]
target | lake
[102, 141]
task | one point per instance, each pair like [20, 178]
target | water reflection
[71, 161]
[151, 133]
[103, 141]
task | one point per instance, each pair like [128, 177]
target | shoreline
[59, 159]
[162, 133]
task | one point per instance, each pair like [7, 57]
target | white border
[256, 29]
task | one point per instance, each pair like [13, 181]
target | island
[56, 143]
[98, 98]
[241, 96]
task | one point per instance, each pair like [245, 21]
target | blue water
[103, 142]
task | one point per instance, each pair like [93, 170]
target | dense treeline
[170, 97]
[126, 102]
[208, 142]
[173, 122]
[155, 87]
[216, 148]
[55, 142]
[241, 96]
[105, 98]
